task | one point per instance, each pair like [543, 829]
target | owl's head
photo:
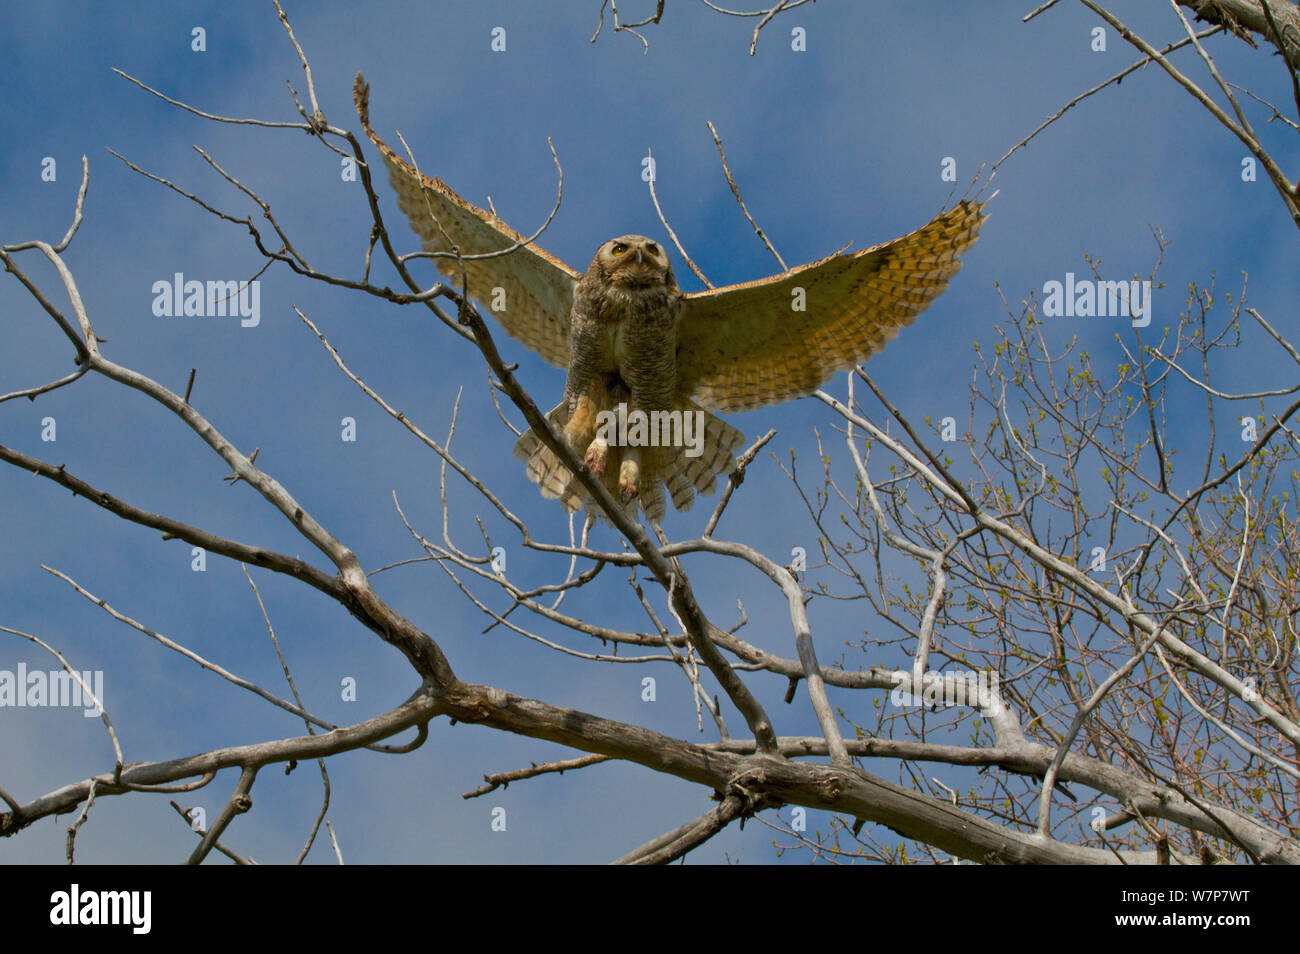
[634, 261]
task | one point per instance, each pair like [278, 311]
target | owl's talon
[629, 475]
[597, 454]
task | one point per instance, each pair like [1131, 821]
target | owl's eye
[652, 248]
[619, 248]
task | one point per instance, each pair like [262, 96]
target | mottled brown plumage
[626, 334]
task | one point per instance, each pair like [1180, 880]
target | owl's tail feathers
[686, 473]
[707, 451]
[545, 469]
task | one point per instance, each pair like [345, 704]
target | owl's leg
[584, 391]
[629, 473]
[596, 456]
[582, 431]
[582, 422]
[605, 391]
[611, 390]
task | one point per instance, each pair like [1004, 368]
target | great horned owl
[623, 355]
[633, 344]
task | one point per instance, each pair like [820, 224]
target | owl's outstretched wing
[538, 286]
[748, 345]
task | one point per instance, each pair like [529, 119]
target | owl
[648, 366]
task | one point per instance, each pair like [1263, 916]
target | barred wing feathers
[538, 286]
[744, 346]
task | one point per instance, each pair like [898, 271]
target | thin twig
[671, 234]
[736, 192]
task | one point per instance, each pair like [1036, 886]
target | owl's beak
[638, 256]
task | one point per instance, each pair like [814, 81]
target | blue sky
[840, 143]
